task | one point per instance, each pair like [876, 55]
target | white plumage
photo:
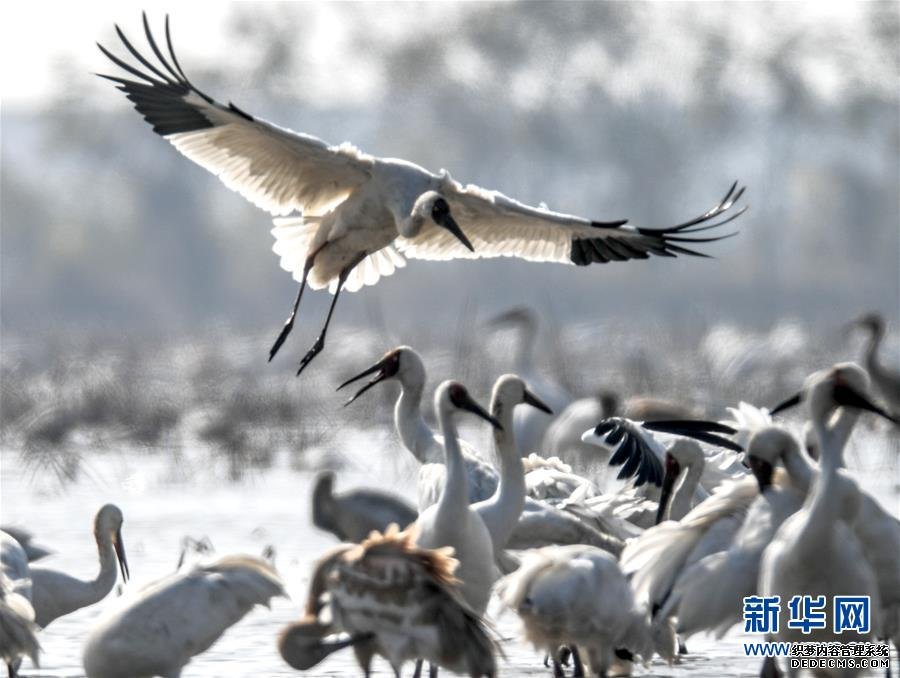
[452, 521]
[56, 593]
[18, 632]
[708, 595]
[406, 366]
[577, 596]
[539, 523]
[157, 631]
[817, 551]
[359, 215]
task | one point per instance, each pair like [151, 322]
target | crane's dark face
[440, 214]
[673, 470]
[872, 322]
[762, 471]
[386, 368]
[461, 400]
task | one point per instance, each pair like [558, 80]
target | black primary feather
[660, 242]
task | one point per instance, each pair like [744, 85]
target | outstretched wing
[499, 226]
[276, 169]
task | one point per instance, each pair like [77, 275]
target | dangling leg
[289, 323]
[432, 670]
[319, 344]
[418, 672]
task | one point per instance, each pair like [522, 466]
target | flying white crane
[392, 598]
[55, 593]
[157, 631]
[361, 215]
[351, 516]
[539, 523]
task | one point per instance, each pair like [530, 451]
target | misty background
[129, 274]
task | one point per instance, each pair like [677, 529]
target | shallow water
[163, 501]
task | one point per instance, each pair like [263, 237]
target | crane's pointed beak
[450, 224]
[849, 397]
[382, 370]
[119, 547]
[793, 401]
[673, 468]
[471, 406]
[531, 399]
[762, 471]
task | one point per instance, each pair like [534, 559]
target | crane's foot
[285, 331]
[577, 665]
[312, 353]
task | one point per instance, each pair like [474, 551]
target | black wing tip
[709, 432]
[632, 453]
[234, 109]
[724, 205]
[617, 223]
[660, 242]
[159, 90]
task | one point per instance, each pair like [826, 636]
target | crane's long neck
[455, 496]
[838, 430]
[414, 432]
[684, 492]
[74, 597]
[502, 510]
[108, 574]
[800, 468]
[872, 349]
[823, 504]
[323, 506]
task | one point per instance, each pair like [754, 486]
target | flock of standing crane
[713, 513]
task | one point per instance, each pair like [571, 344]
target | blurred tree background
[640, 110]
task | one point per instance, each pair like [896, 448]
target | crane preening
[348, 218]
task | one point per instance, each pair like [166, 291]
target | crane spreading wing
[499, 226]
[276, 169]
